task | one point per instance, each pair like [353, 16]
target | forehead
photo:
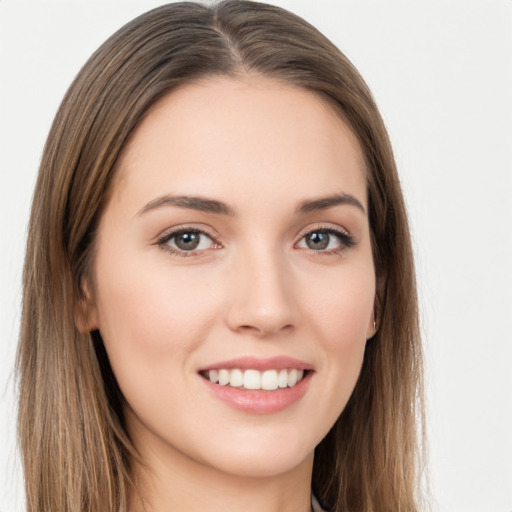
[221, 132]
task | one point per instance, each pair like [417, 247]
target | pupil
[317, 241]
[187, 241]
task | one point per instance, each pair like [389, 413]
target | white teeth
[282, 380]
[223, 377]
[269, 380]
[236, 378]
[254, 379]
[292, 377]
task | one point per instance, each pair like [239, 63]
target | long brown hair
[76, 452]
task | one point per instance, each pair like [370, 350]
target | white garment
[316, 505]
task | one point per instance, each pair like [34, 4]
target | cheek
[339, 317]
[148, 299]
[150, 320]
[341, 307]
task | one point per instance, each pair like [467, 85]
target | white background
[441, 72]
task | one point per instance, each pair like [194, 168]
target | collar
[315, 506]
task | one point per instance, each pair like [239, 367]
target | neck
[171, 481]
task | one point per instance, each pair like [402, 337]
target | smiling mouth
[268, 380]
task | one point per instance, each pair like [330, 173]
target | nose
[262, 301]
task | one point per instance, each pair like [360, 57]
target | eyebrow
[204, 204]
[323, 203]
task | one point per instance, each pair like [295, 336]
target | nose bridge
[261, 298]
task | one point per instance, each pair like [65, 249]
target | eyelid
[344, 236]
[170, 233]
[323, 226]
[180, 228]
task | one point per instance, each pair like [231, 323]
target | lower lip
[260, 401]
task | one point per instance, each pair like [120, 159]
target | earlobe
[372, 327]
[86, 314]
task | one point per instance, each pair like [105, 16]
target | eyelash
[346, 241]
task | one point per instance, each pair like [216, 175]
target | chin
[262, 454]
[264, 465]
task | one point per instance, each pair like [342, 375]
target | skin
[254, 288]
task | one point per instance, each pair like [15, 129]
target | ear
[86, 313]
[372, 327]
[373, 324]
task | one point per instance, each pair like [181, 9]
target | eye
[329, 240]
[186, 242]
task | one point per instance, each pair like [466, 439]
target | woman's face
[234, 253]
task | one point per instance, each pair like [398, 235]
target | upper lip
[258, 363]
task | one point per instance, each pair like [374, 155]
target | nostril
[264, 330]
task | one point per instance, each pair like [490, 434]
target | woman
[219, 303]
